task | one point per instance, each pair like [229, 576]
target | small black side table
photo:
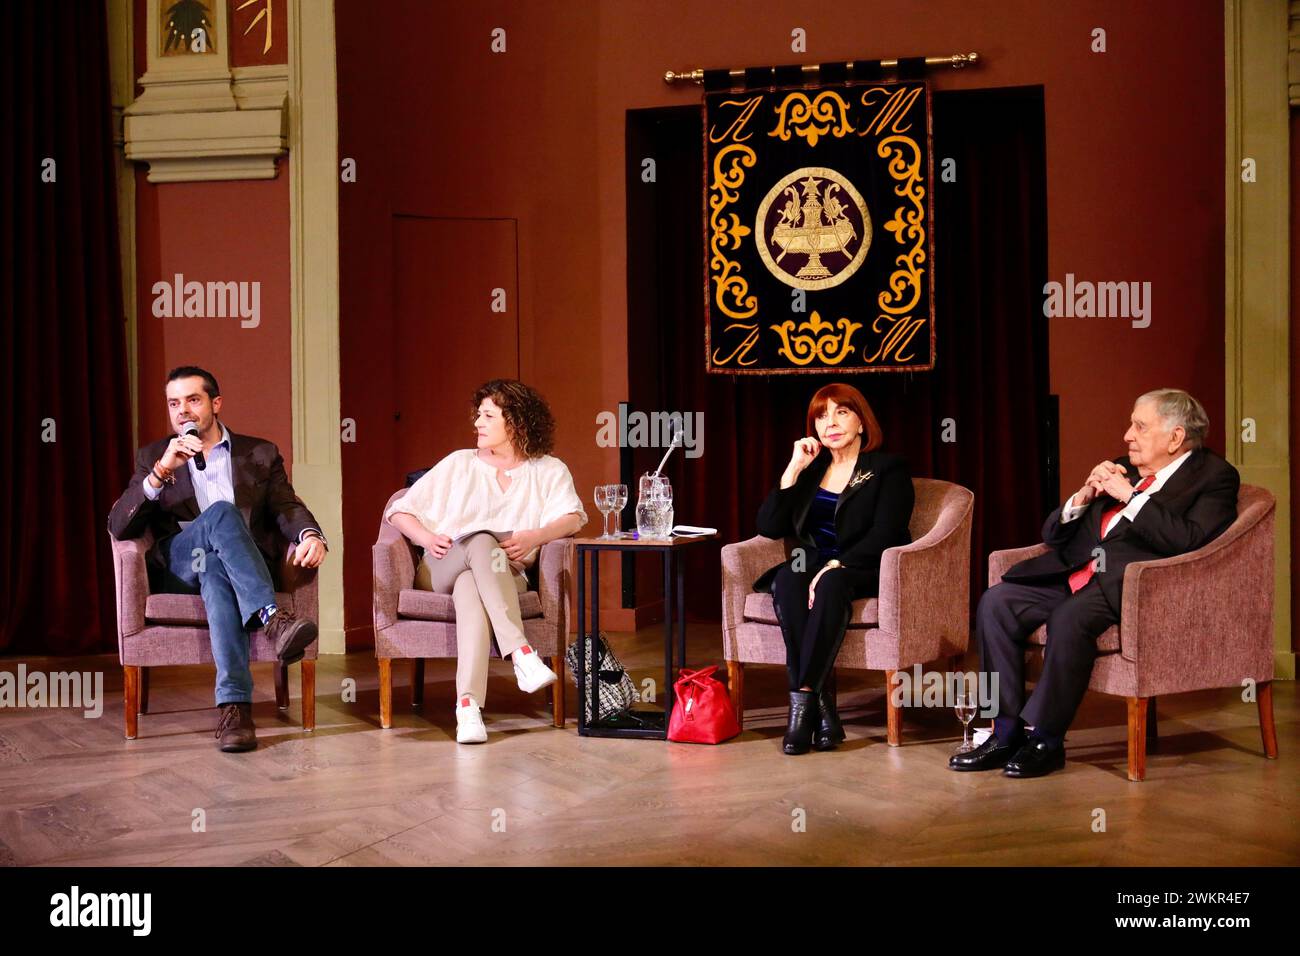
[649, 725]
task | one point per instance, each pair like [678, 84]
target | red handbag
[703, 713]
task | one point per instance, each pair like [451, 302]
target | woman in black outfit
[845, 502]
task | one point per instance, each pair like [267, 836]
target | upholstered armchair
[1195, 621]
[922, 613]
[414, 624]
[159, 630]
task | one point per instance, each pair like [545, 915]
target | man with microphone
[218, 505]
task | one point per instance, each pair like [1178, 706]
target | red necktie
[1081, 577]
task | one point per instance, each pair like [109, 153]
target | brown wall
[234, 231]
[465, 133]
[443, 127]
[218, 231]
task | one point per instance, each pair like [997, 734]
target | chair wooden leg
[385, 692]
[736, 688]
[417, 683]
[308, 694]
[1153, 732]
[557, 690]
[144, 691]
[131, 699]
[282, 686]
[1137, 739]
[1267, 729]
[893, 714]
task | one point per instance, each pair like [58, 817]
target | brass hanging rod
[957, 61]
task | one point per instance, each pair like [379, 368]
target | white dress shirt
[1070, 511]
[460, 495]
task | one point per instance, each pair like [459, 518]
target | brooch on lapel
[860, 477]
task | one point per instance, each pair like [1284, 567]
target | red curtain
[991, 367]
[65, 438]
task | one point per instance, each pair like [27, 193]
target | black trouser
[1008, 614]
[813, 637]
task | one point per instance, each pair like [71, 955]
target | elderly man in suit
[1170, 495]
[217, 504]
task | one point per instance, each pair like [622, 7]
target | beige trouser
[487, 603]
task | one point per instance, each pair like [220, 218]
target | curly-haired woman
[509, 483]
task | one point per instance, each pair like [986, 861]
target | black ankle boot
[830, 731]
[803, 722]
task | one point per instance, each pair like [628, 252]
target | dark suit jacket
[871, 515]
[263, 496]
[1195, 506]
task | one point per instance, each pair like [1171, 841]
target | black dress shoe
[989, 755]
[803, 722]
[1035, 759]
[829, 729]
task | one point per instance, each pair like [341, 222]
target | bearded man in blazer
[1170, 495]
[225, 497]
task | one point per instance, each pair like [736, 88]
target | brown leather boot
[235, 731]
[290, 634]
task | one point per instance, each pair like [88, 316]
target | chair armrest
[553, 576]
[1002, 561]
[742, 563]
[302, 584]
[924, 595]
[1205, 618]
[393, 569]
[132, 578]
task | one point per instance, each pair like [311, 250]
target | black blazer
[263, 495]
[872, 514]
[1194, 507]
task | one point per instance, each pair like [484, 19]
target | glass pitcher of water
[654, 507]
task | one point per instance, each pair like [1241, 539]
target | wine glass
[620, 502]
[966, 707]
[604, 504]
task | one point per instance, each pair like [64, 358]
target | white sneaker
[469, 723]
[530, 672]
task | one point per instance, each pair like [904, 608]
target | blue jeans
[235, 584]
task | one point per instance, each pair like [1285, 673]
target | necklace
[490, 460]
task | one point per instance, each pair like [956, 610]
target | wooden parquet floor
[74, 792]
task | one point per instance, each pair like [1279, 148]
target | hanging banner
[818, 240]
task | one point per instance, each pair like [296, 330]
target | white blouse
[460, 495]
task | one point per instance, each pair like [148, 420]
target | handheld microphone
[192, 429]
